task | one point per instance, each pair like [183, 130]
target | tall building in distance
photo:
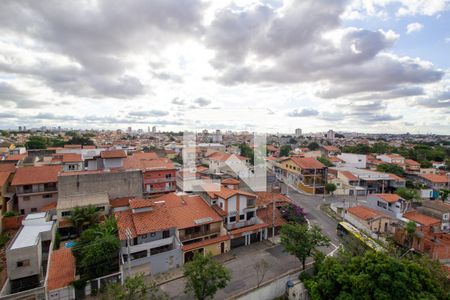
[331, 135]
[129, 129]
[298, 132]
[154, 129]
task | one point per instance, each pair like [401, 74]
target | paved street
[243, 273]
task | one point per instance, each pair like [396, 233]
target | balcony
[241, 224]
[194, 235]
[161, 190]
[157, 180]
[39, 189]
[150, 245]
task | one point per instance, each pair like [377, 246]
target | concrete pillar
[261, 235]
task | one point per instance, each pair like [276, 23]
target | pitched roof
[140, 223]
[71, 157]
[411, 162]
[147, 165]
[191, 211]
[226, 193]
[266, 215]
[113, 154]
[420, 218]
[435, 178]
[437, 205]
[364, 212]
[62, 268]
[206, 242]
[231, 181]
[331, 148]
[74, 146]
[141, 203]
[16, 157]
[307, 162]
[8, 168]
[349, 175]
[49, 206]
[265, 198]
[120, 202]
[222, 156]
[36, 175]
[395, 177]
[4, 178]
[145, 155]
[388, 197]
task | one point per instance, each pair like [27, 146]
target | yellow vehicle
[356, 240]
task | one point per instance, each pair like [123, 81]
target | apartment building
[7, 193]
[27, 254]
[225, 163]
[36, 187]
[148, 235]
[159, 174]
[353, 160]
[306, 173]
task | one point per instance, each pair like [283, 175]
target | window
[65, 213]
[250, 214]
[71, 167]
[168, 176]
[242, 217]
[144, 236]
[22, 211]
[221, 204]
[139, 254]
[232, 219]
[153, 234]
[166, 234]
[26, 198]
[33, 209]
[100, 208]
[46, 196]
[23, 263]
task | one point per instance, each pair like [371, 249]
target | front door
[222, 247]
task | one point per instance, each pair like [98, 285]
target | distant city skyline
[265, 66]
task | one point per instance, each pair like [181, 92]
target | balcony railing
[241, 224]
[195, 235]
[37, 190]
[156, 180]
[162, 190]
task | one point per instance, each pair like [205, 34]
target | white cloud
[413, 27]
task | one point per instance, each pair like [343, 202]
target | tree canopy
[330, 188]
[375, 275]
[408, 194]
[285, 149]
[247, 151]
[134, 288]
[204, 276]
[313, 146]
[390, 168]
[301, 241]
[325, 161]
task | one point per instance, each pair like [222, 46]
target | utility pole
[314, 181]
[273, 218]
[128, 235]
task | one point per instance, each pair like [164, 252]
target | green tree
[410, 231]
[330, 188]
[313, 146]
[285, 149]
[97, 250]
[390, 168]
[204, 276]
[301, 241]
[37, 142]
[377, 276]
[325, 161]
[82, 217]
[444, 194]
[408, 194]
[134, 288]
[247, 151]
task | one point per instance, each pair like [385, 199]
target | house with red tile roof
[390, 204]
[427, 223]
[60, 275]
[412, 166]
[112, 158]
[225, 163]
[435, 181]
[147, 231]
[369, 219]
[437, 209]
[306, 173]
[329, 151]
[36, 187]
[393, 158]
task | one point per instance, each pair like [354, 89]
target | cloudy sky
[361, 65]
